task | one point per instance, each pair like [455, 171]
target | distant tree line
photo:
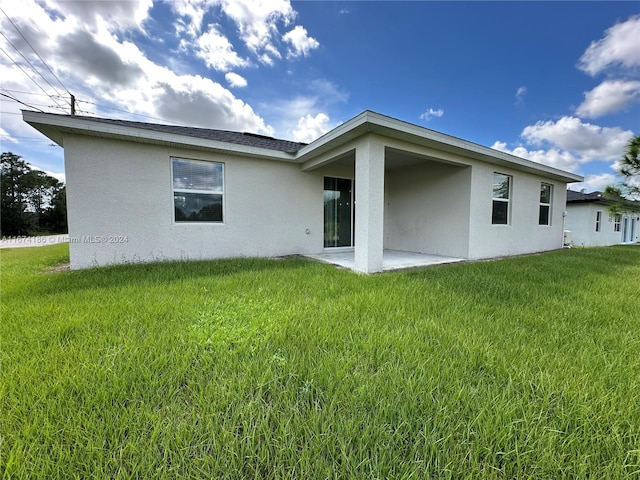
[32, 202]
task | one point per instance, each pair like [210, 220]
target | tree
[12, 204]
[31, 201]
[629, 170]
[55, 218]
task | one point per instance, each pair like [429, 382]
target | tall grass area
[518, 368]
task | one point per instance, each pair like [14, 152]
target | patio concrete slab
[391, 259]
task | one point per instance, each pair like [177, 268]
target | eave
[56, 127]
[370, 122]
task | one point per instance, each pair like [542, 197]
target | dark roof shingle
[239, 138]
[573, 196]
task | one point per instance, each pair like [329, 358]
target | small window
[544, 217]
[501, 196]
[198, 189]
[617, 220]
[598, 220]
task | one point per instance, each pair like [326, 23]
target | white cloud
[619, 46]
[118, 14]
[257, 22]
[300, 41]
[60, 176]
[553, 157]
[322, 95]
[217, 52]
[609, 97]
[235, 80]
[431, 113]
[520, 93]
[309, 127]
[595, 182]
[96, 65]
[191, 14]
[568, 143]
[6, 137]
[589, 142]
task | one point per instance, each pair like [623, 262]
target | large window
[617, 218]
[544, 217]
[198, 190]
[501, 196]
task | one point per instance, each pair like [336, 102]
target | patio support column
[369, 221]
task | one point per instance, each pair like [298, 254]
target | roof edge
[370, 121]
[54, 127]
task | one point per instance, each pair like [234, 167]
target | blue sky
[556, 82]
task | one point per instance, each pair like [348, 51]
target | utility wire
[25, 104]
[26, 139]
[31, 93]
[23, 71]
[32, 103]
[64, 109]
[33, 68]
[128, 112]
[34, 51]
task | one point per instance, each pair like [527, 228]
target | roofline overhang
[55, 127]
[369, 122]
[607, 202]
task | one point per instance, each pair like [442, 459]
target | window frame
[598, 220]
[546, 205]
[218, 192]
[617, 222]
[506, 200]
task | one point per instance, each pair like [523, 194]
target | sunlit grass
[519, 368]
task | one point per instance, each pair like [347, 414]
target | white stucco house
[145, 192]
[591, 222]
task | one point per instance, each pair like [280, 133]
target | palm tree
[629, 169]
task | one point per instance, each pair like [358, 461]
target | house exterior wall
[120, 206]
[581, 221]
[522, 234]
[427, 209]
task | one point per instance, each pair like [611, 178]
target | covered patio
[391, 259]
[390, 204]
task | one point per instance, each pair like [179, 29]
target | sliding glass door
[338, 212]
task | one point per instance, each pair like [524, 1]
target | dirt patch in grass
[63, 267]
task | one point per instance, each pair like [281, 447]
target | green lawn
[519, 368]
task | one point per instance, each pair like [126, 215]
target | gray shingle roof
[240, 138]
[580, 197]
[584, 197]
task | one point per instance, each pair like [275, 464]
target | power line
[34, 51]
[26, 139]
[31, 93]
[23, 71]
[130, 113]
[34, 104]
[21, 102]
[32, 66]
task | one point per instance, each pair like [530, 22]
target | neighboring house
[592, 222]
[140, 192]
